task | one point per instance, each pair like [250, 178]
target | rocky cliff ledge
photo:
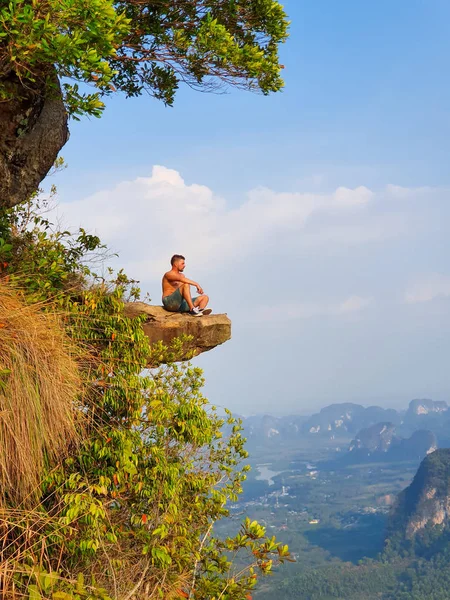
[425, 504]
[162, 326]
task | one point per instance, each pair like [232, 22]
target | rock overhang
[207, 331]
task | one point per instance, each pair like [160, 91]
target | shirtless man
[176, 291]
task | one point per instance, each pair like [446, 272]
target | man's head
[178, 261]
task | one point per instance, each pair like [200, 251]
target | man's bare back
[176, 293]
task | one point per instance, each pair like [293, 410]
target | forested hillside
[412, 559]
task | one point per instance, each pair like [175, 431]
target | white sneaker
[196, 312]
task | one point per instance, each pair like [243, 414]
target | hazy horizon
[399, 407]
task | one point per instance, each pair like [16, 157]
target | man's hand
[199, 289]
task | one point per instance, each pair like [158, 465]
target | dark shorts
[176, 303]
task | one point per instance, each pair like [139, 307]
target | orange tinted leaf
[144, 519]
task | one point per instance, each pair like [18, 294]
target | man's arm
[180, 277]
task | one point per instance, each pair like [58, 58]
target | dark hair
[175, 258]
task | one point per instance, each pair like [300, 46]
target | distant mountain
[348, 417]
[376, 438]
[380, 442]
[262, 427]
[422, 511]
[425, 407]
[421, 443]
[427, 414]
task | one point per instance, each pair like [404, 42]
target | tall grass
[39, 382]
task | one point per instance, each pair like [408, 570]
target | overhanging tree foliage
[58, 58]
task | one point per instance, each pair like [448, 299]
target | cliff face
[162, 326]
[425, 504]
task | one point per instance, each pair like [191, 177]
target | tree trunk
[33, 129]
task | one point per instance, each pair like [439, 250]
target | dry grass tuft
[39, 382]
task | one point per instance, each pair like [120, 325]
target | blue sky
[317, 217]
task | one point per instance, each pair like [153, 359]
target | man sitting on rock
[176, 291]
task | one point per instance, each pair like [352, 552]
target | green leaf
[34, 593]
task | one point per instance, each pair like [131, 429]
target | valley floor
[332, 516]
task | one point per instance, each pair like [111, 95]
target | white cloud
[357, 197]
[150, 218]
[427, 288]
